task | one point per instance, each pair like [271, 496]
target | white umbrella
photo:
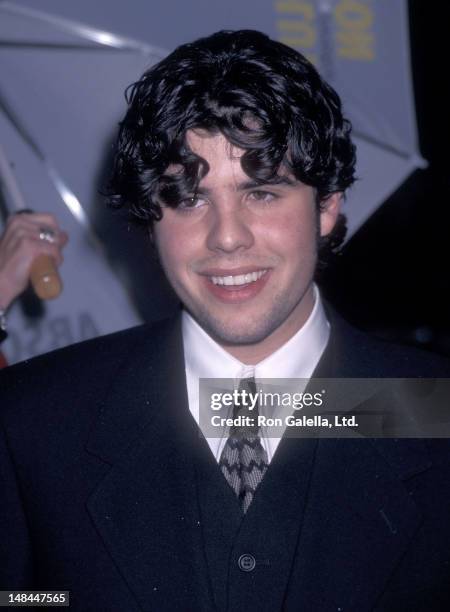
[361, 46]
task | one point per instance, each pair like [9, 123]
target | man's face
[242, 257]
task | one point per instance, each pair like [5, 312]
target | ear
[330, 209]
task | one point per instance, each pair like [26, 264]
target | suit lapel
[144, 508]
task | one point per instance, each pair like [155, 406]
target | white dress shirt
[296, 359]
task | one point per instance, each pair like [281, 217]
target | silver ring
[47, 234]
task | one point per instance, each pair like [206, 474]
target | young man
[236, 154]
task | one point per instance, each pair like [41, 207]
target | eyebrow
[246, 185]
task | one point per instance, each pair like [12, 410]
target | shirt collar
[299, 356]
[205, 358]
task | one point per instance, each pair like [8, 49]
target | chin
[255, 325]
[233, 337]
[235, 332]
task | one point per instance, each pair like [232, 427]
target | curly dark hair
[260, 94]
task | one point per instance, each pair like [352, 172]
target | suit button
[247, 563]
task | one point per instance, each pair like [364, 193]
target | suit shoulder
[373, 357]
[111, 344]
[407, 361]
[81, 370]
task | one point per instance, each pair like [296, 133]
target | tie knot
[246, 410]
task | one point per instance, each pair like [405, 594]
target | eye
[191, 203]
[259, 195]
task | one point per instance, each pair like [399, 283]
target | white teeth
[240, 279]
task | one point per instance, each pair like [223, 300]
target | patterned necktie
[243, 460]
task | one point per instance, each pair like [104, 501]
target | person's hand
[26, 236]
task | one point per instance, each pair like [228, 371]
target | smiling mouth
[239, 279]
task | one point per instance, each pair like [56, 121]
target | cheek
[174, 244]
[293, 238]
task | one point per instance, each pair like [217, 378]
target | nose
[230, 229]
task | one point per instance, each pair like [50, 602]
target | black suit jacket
[108, 491]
